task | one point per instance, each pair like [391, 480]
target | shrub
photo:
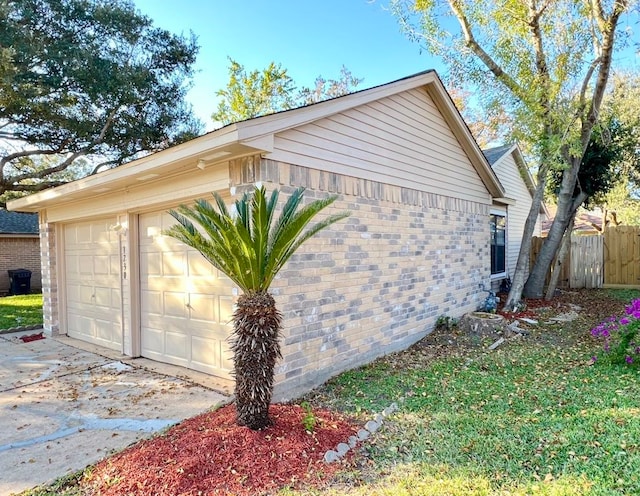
[621, 337]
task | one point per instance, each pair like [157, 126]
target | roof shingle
[18, 223]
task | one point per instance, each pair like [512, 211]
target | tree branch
[608, 29]
[26, 153]
[475, 47]
[70, 159]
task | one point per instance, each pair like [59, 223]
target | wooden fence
[622, 256]
[611, 259]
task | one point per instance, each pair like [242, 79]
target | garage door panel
[177, 345]
[174, 305]
[92, 283]
[154, 302]
[150, 264]
[206, 352]
[103, 298]
[173, 263]
[82, 234]
[200, 267]
[203, 307]
[85, 265]
[104, 330]
[226, 309]
[152, 340]
[181, 307]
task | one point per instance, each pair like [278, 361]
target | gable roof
[18, 223]
[256, 136]
[496, 154]
[499, 153]
[586, 221]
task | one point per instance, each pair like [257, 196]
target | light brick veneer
[376, 282]
[49, 278]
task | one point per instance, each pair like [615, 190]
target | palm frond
[289, 231]
[247, 247]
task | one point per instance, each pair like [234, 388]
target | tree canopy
[546, 65]
[261, 92]
[90, 79]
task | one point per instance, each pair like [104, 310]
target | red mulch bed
[211, 455]
[531, 305]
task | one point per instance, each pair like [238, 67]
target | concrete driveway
[65, 405]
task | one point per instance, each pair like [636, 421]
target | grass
[520, 421]
[22, 310]
[533, 417]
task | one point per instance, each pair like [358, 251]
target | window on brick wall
[498, 244]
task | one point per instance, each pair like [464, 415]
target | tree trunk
[567, 206]
[522, 265]
[256, 348]
[560, 259]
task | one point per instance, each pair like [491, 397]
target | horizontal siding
[401, 140]
[509, 175]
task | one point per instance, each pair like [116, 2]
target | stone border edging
[10, 330]
[370, 427]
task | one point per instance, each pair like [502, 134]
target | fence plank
[622, 255]
[587, 266]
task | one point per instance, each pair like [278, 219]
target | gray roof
[494, 154]
[18, 223]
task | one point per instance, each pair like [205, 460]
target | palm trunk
[256, 348]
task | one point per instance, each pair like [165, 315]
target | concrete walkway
[65, 405]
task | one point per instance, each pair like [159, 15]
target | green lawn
[533, 417]
[23, 310]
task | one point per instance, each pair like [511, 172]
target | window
[498, 244]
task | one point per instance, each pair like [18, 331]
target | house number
[124, 262]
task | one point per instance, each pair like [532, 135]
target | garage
[185, 303]
[399, 157]
[92, 283]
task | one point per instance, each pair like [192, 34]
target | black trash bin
[19, 281]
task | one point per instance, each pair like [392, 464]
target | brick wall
[20, 253]
[376, 282]
[49, 278]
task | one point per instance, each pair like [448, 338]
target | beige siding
[402, 140]
[515, 187]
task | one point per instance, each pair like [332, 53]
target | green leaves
[87, 78]
[247, 246]
[258, 93]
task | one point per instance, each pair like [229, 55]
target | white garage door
[185, 303]
[92, 280]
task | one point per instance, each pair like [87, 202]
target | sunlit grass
[533, 417]
[21, 310]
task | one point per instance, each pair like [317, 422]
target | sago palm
[250, 248]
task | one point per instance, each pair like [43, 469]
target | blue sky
[308, 38]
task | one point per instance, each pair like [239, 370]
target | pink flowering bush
[621, 339]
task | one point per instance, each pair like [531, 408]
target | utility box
[19, 281]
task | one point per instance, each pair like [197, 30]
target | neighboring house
[587, 222]
[508, 218]
[19, 247]
[417, 245]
